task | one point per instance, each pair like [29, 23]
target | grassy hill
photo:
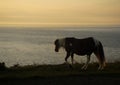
[45, 71]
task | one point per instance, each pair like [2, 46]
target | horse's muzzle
[56, 50]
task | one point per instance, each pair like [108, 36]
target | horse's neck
[62, 42]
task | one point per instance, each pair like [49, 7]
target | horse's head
[57, 45]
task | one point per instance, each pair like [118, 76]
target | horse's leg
[87, 62]
[67, 56]
[72, 60]
[98, 57]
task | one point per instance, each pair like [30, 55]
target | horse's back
[86, 42]
[82, 46]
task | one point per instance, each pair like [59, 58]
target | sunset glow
[59, 12]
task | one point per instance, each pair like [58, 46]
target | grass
[43, 71]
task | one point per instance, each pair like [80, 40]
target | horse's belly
[83, 52]
[78, 53]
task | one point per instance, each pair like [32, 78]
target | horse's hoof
[100, 68]
[84, 68]
[70, 66]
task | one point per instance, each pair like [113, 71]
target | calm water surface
[36, 46]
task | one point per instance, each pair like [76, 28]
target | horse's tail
[99, 52]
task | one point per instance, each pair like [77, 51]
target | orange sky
[59, 12]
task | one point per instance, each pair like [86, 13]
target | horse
[84, 46]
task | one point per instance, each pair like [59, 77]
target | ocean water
[27, 46]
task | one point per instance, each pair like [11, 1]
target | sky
[59, 12]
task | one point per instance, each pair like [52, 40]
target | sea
[31, 45]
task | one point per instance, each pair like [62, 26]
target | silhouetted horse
[85, 46]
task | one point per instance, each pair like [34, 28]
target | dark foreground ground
[60, 75]
[64, 80]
